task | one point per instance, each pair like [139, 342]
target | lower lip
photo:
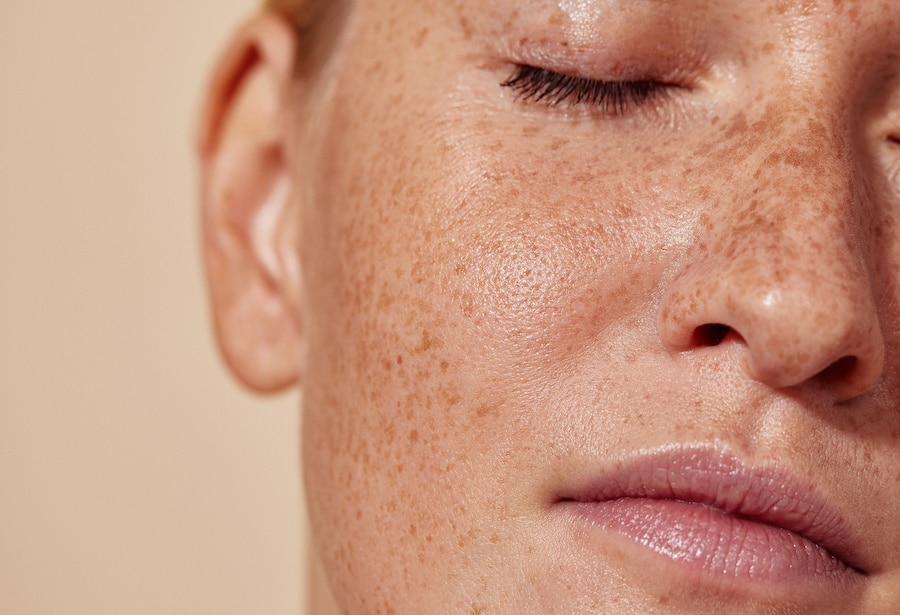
[717, 544]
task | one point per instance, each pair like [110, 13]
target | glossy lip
[708, 510]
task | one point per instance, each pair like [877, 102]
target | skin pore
[493, 301]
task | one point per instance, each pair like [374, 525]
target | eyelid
[539, 85]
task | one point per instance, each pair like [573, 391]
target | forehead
[508, 12]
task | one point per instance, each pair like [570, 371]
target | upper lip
[765, 493]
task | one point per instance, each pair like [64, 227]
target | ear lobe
[248, 223]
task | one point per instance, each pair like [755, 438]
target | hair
[300, 12]
[318, 24]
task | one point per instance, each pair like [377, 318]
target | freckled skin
[497, 291]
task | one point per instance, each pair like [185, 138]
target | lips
[709, 512]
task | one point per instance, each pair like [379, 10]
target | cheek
[451, 281]
[556, 246]
[449, 287]
[390, 453]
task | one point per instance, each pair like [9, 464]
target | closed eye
[539, 85]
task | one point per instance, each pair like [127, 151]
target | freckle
[385, 300]
[737, 127]
[451, 396]
[445, 365]
[558, 144]
[465, 26]
[399, 359]
[484, 410]
[427, 342]
[420, 38]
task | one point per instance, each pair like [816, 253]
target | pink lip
[708, 511]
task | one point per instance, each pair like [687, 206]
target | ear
[248, 222]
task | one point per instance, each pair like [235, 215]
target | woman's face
[624, 341]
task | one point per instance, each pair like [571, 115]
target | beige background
[135, 477]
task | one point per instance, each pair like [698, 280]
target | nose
[783, 274]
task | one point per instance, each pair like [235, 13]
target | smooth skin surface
[487, 298]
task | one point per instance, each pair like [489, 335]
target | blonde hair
[301, 12]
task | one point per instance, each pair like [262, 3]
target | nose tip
[793, 333]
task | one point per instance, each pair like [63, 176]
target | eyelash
[539, 85]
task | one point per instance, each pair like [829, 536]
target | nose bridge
[800, 220]
[804, 159]
[783, 264]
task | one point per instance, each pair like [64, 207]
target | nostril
[709, 335]
[841, 369]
